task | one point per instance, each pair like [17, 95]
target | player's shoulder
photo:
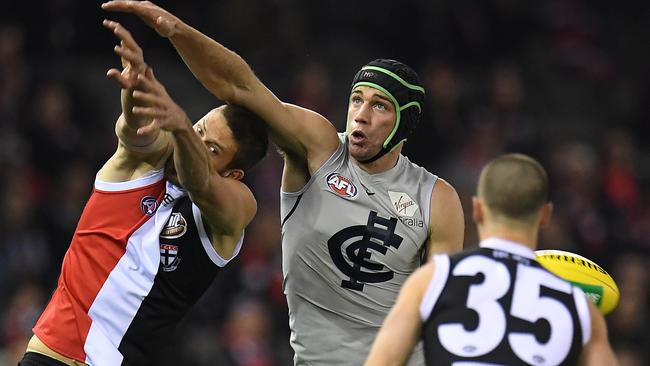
[444, 188]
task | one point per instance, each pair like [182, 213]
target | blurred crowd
[566, 81]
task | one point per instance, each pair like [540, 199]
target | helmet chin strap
[383, 151]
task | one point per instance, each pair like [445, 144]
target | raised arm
[136, 153]
[300, 133]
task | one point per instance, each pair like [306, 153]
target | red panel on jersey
[107, 222]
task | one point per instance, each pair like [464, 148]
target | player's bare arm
[597, 352]
[401, 329]
[446, 220]
[226, 203]
[136, 153]
[301, 133]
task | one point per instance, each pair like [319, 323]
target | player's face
[214, 132]
[217, 136]
[371, 117]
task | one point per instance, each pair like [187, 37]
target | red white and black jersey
[139, 259]
[496, 305]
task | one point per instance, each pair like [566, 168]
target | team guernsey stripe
[125, 288]
[111, 217]
[119, 299]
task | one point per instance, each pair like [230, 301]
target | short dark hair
[250, 134]
[514, 186]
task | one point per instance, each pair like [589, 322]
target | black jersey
[188, 266]
[496, 305]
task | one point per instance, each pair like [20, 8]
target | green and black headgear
[402, 86]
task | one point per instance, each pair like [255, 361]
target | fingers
[116, 75]
[146, 129]
[151, 112]
[148, 82]
[143, 9]
[129, 50]
[122, 33]
[132, 57]
[154, 16]
[147, 98]
[119, 5]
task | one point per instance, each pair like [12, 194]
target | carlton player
[496, 305]
[168, 210]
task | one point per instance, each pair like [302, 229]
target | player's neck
[386, 162]
[523, 236]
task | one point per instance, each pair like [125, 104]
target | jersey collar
[507, 246]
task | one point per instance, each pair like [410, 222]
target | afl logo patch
[341, 185]
[175, 228]
[148, 205]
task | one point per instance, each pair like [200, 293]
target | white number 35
[527, 304]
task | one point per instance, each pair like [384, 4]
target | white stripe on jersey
[147, 179]
[207, 243]
[127, 285]
[437, 283]
[583, 313]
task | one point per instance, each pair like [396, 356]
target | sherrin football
[584, 273]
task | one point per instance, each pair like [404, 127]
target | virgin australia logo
[404, 205]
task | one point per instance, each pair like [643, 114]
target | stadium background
[566, 81]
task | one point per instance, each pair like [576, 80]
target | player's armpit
[227, 206]
[446, 220]
[128, 164]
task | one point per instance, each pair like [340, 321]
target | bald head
[513, 187]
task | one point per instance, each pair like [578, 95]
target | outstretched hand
[155, 103]
[154, 16]
[130, 54]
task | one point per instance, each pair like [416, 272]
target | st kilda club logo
[341, 185]
[169, 257]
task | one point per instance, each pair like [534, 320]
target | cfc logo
[360, 242]
[341, 185]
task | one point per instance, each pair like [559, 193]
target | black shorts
[37, 359]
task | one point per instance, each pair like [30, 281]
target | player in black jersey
[496, 305]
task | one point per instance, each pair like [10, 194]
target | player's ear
[236, 174]
[477, 210]
[547, 212]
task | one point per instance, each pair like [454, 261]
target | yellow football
[584, 273]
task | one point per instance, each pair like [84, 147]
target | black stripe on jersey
[150, 338]
[293, 209]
